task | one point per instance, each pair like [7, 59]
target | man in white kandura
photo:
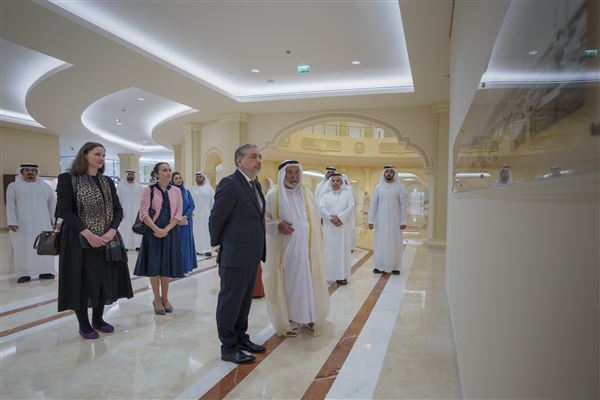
[337, 208]
[30, 205]
[130, 196]
[204, 197]
[388, 213]
[294, 275]
[351, 225]
[323, 184]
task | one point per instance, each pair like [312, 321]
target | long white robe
[30, 206]
[204, 198]
[130, 196]
[293, 275]
[338, 240]
[319, 188]
[351, 225]
[388, 210]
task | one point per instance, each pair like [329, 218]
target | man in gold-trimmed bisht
[294, 273]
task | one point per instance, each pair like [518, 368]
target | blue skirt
[161, 256]
[188, 248]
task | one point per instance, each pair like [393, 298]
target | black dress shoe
[376, 271]
[46, 276]
[252, 347]
[208, 254]
[344, 282]
[24, 279]
[396, 272]
[238, 357]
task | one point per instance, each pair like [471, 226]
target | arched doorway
[359, 146]
[213, 166]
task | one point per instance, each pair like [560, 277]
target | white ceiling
[218, 43]
[534, 26]
[129, 116]
[20, 69]
[104, 67]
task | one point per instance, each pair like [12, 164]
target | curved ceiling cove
[21, 69]
[365, 50]
[129, 116]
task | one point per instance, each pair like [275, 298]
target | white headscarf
[328, 187]
[206, 180]
[124, 177]
[396, 177]
[19, 176]
[285, 210]
[498, 181]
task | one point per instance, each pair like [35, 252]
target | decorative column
[430, 174]
[233, 130]
[129, 161]
[440, 196]
[192, 151]
[178, 156]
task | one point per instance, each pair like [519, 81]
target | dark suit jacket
[237, 223]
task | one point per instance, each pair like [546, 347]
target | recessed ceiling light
[533, 52]
[141, 99]
[118, 121]
[355, 62]
[255, 70]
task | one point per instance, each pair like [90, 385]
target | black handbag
[47, 243]
[140, 227]
[114, 252]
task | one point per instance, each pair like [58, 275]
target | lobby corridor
[386, 337]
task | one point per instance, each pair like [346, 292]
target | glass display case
[536, 112]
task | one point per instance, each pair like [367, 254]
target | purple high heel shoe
[104, 327]
[89, 335]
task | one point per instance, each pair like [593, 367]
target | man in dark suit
[237, 225]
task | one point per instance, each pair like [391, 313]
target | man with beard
[130, 196]
[30, 205]
[237, 224]
[294, 275]
[337, 209]
[387, 214]
[203, 195]
[323, 184]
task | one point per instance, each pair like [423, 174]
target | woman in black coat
[93, 268]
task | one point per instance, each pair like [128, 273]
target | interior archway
[213, 167]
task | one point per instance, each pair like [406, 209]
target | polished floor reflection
[386, 337]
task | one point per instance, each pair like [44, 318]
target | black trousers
[233, 306]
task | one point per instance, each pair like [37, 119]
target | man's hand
[402, 227]
[285, 228]
[183, 220]
[370, 226]
[13, 228]
[336, 221]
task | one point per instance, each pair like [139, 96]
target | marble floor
[386, 337]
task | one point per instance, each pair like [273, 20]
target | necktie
[255, 191]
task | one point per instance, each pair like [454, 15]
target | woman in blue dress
[160, 253]
[188, 248]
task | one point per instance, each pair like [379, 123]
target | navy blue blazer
[237, 223]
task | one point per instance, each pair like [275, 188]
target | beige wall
[522, 261]
[18, 146]
[415, 124]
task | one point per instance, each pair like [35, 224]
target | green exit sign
[303, 69]
[590, 53]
